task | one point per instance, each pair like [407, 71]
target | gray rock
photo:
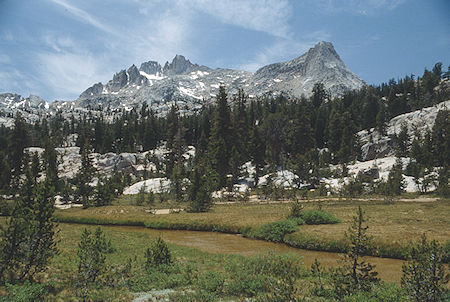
[151, 67]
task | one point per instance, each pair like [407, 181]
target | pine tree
[424, 275]
[257, 150]
[5, 173]
[220, 142]
[157, 254]
[18, 141]
[356, 274]
[199, 194]
[91, 258]
[35, 166]
[381, 119]
[319, 95]
[402, 142]
[84, 177]
[28, 242]
[51, 165]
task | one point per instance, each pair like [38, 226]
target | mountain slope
[191, 84]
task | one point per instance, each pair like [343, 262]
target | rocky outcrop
[420, 121]
[321, 64]
[151, 68]
[191, 85]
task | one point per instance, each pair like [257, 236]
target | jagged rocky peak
[151, 68]
[179, 65]
[298, 76]
[93, 90]
[134, 77]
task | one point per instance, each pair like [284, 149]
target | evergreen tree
[240, 127]
[199, 194]
[356, 274]
[157, 254]
[28, 242]
[84, 177]
[35, 166]
[401, 142]
[91, 258]
[381, 119]
[18, 141]
[51, 165]
[394, 185]
[441, 138]
[300, 135]
[319, 95]
[220, 142]
[424, 275]
[257, 150]
[5, 173]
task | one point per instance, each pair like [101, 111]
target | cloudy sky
[58, 48]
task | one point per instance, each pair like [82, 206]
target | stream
[389, 270]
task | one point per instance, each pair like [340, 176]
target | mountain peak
[179, 65]
[325, 50]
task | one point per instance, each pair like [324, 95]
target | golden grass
[398, 222]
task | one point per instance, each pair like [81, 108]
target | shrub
[379, 293]
[163, 277]
[157, 254]
[275, 231]
[296, 210]
[211, 282]
[27, 292]
[318, 217]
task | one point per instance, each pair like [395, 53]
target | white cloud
[269, 16]
[84, 16]
[285, 49]
[70, 73]
[359, 7]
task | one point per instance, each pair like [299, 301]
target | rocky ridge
[191, 85]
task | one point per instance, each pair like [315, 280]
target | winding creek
[389, 270]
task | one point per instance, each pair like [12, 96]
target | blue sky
[58, 48]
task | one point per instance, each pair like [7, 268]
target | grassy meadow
[393, 225]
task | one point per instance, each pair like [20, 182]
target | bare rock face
[320, 64]
[375, 145]
[191, 84]
[151, 67]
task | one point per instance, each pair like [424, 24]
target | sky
[58, 48]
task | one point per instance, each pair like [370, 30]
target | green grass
[393, 225]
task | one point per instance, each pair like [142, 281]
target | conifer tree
[199, 193]
[91, 258]
[319, 95]
[220, 142]
[35, 166]
[381, 119]
[28, 242]
[356, 274]
[51, 165]
[18, 141]
[424, 275]
[257, 151]
[84, 177]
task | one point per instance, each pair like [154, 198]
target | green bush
[157, 254]
[379, 293]
[246, 278]
[211, 282]
[162, 277]
[27, 292]
[275, 231]
[318, 217]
